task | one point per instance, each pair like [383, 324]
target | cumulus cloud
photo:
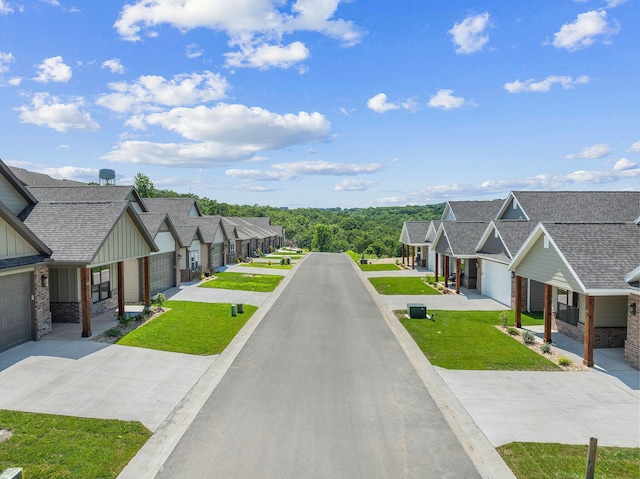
[545, 85]
[151, 92]
[294, 170]
[53, 69]
[194, 51]
[635, 147]
[585, 30]
[113, 65]
[5, 8]
[379, 103]
[445, 100]
[591, 152]
[264, 56]
[257, 26]
[354, 185]
[623, 164]
[71, 173]
[615, 3]
[469, 35]
[5, 59]
[51, 111]
[223, 134]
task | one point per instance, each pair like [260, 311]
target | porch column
[589, 332]
[413, 257]
[437, 268]
[121, 311]
[445, 265]
[547, 313]
[518, 305]
[457, 275]
[146, 271]
[402, 254]
[85, 293]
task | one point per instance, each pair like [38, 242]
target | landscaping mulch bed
[127, 328]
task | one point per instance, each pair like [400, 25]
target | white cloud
[194, 51]
[55, 3]
[592, 152]
[72, 173]
[635, 147]
[50, 111]
[260, 175]
[623, 164]
[53, 69]
[469, 35]
[354, 185]
[15, 81]
[379, 103]
[615, 3]
[584, 31]
[445, 100]
[150, 92]
[264, 56]
[113, 65]
[292, 171]
[255, 23]
[545, 85]
[5, 8]
[5, 59]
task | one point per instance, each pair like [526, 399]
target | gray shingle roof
[178, 208]
[475, 210]
[84, 193]
[463, 236]
[580, 206]
[417, 231]
[31, 178]
[600, 254]
[514, 234]
[249, 228]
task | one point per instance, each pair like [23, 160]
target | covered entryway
[15, 310]
[496, 281]
[162, 274]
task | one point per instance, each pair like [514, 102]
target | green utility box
[417, 310]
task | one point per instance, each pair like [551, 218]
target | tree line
[372, 230]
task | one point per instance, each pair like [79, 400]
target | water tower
[107, 177]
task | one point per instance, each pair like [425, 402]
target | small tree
[144, 186]
[322, 238]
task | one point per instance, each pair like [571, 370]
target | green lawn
[275, 264]
[63, 447]
[562, 461]
[244, 281]
[192, 328]
[470, 340]
[402, 285]
[379, 267]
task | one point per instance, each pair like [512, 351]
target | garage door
[163, 274]
[15, 310]
[496, 282]
[217, 255]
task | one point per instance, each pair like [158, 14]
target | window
[100, 284]
[568, 307]
[194, 260]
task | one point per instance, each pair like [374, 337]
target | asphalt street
[321, 389]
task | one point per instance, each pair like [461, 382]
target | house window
[194, 260]
[100, 284]
[568, 309]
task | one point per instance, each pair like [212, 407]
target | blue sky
[325, 103]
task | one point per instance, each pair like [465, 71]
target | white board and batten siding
[10, 197]
[496, 281]
[611, 311]
[12, 244]
[132, 278]
[165, 242]
[124, 242]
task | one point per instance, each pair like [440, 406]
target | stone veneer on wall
[42, 307]
[602, 338]
[632, 344]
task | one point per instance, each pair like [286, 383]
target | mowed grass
[191, 328]
[562, 461]
[275, 264]
[402, 285]
[469, 340]
[264, 283]
[60, 447]
[379, 267]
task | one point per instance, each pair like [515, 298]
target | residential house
[414, 243]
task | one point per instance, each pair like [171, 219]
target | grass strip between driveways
[530, 460]
[55, 447]
[264, 283]
[379, 267]
[191, 328]
[402, 285]
[274, 264]
[469, 340]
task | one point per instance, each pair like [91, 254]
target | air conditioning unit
[417, 310]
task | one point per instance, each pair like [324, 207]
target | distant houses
[575, 256]
[69, 251]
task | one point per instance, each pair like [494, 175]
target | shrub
[545, 348]
[528, 337]
[504, 318]
[126, 319]
[113, 333]
[513, 331]
[564, 361]
[159, 299]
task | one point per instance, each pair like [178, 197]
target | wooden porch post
[445, 266]
[413, 257]
[457, 275]
[547, 313]
[437, 270]
[589, 332]
[121, 311]
[85, 293]
[146, 271]
[518, 319]
[402, 254]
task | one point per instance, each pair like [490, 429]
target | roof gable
[414, 232]
[13, 193]
[473, 211]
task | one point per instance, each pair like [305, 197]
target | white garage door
[15, 310]
[496, 282]
[163, 274]
[217, 255]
